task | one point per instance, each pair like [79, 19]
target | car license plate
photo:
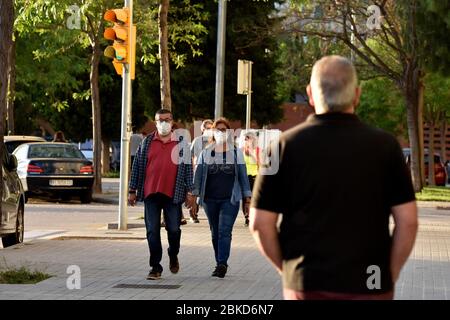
[66, 183]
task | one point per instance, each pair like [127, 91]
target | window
[54, 151]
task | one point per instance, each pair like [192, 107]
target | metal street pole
[220, 58]
[125, 134]
[249, 97]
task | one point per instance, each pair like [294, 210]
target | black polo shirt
[337, 181]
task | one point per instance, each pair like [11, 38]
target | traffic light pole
[248, 121]
[125, 133]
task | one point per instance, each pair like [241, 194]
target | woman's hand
[247, 206]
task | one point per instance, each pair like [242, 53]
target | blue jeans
[221, 216]
[172, 216]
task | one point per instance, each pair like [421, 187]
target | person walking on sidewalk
[251, 157]
[197, 146]
[163, 180]
[337, 184]
[221, 182]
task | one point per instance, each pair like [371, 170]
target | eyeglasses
[221, 129]
[164, 120]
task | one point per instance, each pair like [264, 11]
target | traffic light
[123, 49]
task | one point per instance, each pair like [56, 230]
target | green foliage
[436, 98]
[434, 194]
[433, 28]
[22, 275]
[53, 64]
[382, 106]
[186, 21]
[296, 56]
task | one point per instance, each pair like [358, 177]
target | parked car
[55, 168]
[12, 142]
[440, 172]
[13, 200]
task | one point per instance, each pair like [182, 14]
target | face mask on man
[163, 128]
[220, 137]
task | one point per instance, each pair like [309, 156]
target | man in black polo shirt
[338, 182]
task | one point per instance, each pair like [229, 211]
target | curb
[99, 198]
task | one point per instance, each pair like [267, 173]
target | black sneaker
[194, 220]
[154, 274]
[220, 271]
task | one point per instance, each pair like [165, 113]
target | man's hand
[132, 199]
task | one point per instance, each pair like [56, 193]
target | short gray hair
[333, 83]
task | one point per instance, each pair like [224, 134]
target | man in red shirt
[163, 180]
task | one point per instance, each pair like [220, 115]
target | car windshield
[54, 151]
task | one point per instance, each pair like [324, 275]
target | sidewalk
[114, 264]
[106, 264]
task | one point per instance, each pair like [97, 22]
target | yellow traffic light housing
[123, 50]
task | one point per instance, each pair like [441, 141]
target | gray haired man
[338, 183]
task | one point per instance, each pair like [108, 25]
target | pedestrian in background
[200, 142]
[251, 158]
[221, 182]
[135, 141]
[338, 183]
[163, 183]
[197, 146]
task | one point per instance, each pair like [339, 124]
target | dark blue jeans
[221, 216]
[172, 216]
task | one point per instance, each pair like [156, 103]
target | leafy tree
[391, 48]
[383, 106]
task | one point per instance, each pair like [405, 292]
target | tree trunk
[420, 127]
[413, 133]
[411, 89]
[164, 70]
[105, 155]
[443, 139]
[96, 117]
[12, 88]
[431, 177]
[6, 30]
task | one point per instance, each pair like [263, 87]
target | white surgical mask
[220, 137]
[164, 128]
[208, 133]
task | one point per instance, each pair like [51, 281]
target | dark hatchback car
[57, 169]
[440, 172]
[13, 201]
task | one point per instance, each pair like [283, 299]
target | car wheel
[86, 196]
[16, 237]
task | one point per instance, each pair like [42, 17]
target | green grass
[22, 276]
[112, 174]
[434, 194]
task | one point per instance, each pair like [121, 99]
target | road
[46, 218]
